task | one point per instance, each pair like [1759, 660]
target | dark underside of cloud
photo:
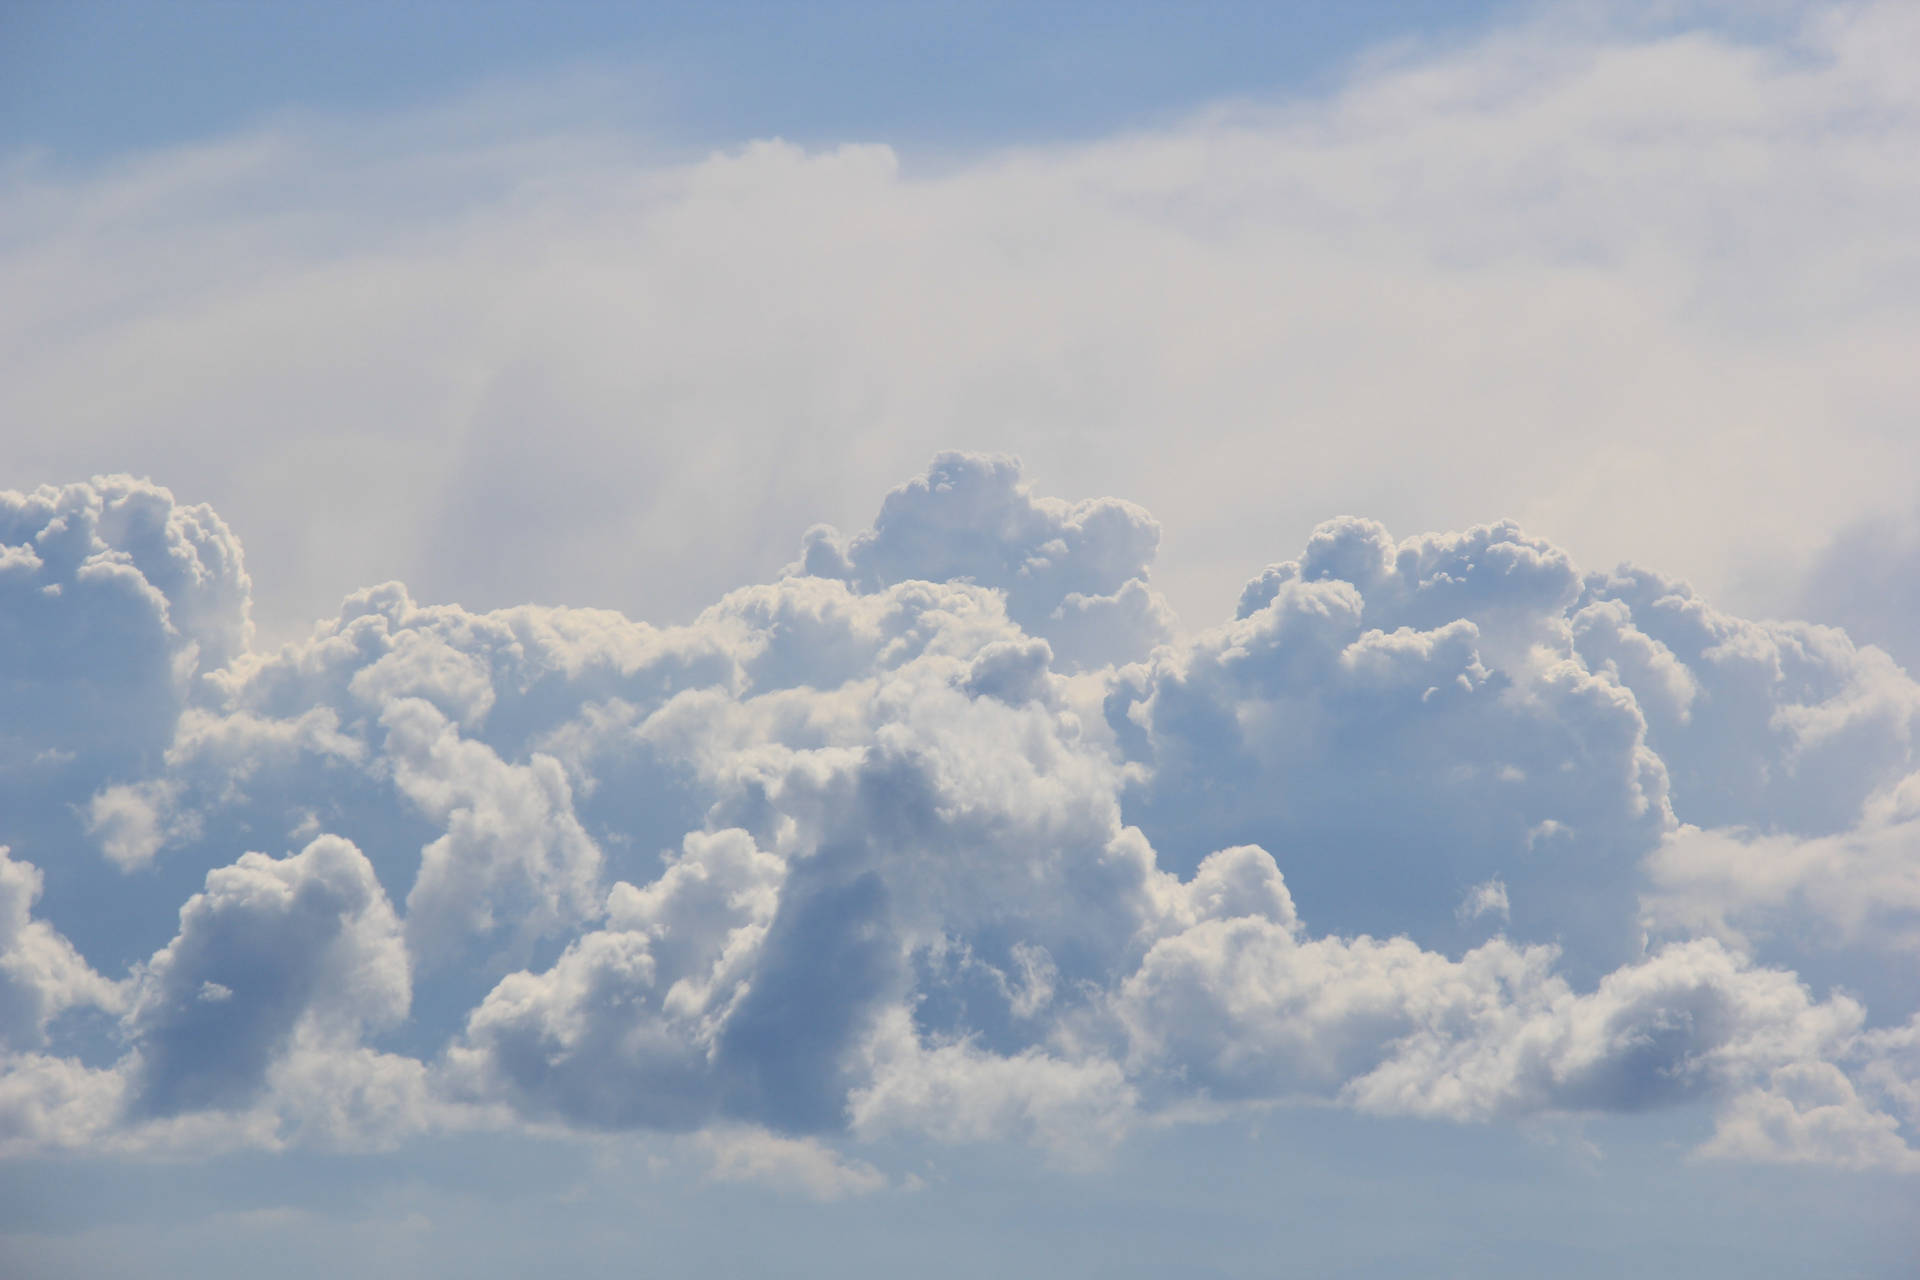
[950, 832]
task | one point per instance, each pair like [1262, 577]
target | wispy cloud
[1648, 291]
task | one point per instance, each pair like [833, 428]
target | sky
[101, 80]
[828, 639]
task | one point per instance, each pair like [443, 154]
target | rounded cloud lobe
[949, 833]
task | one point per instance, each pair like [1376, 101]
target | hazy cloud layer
[946, 832]
[1656, 298]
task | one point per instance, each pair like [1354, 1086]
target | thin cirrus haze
[1308, 675]
[1648, 291]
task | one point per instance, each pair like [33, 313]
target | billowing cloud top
[948, 832]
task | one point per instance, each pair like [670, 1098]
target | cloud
[1250, 1007]
[1488, 898]
[1864, 580]
[41, 975]
[116, 600]
[49, 1102]
[954, 1091]
[1417, 708]
[1247, 320]
[513, 857]
[870, 851]
[624, 1028]
[1690, 1021]
[1566, 725]
[803, 1164]
[1856, 888]
[1073, 573]
[1810, 1114]
[273, 949]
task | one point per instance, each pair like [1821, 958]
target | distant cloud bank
[949, 831]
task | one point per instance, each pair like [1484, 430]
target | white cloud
[1488, 898]
[1654, 298]
[625, 1027]
[799, 1164]
[1859, 887]
[117, 598]
[956, 1092]
[55, 1102]
[272, 950]
[1073, 573]
[514, 860]
[1690, 1021]
[41, 974]
[850, 861]
[1810, 1113]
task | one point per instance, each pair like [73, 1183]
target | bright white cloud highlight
[1443, 826]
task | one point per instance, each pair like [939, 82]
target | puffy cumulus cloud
[1442, 826]
[48, 1095]
[1397, 722]
[272, 951]
[1689, 1021]
[1472, 707]
[162, 579]
[1073, 573]
[116, 602]
[49, 1101]
[323, 1093]
[1247, 1008]
[513, 860]
[625, 1027]
[1852, 888]
[953, 1090]
[1810, 1113]
[41, 975]
[1785, 727]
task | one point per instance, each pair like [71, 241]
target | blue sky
[97, 80]
[823, 639]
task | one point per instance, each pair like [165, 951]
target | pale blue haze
[92, 80]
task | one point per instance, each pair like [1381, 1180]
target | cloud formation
[1248, 319]
[272, 949]
[946, 832]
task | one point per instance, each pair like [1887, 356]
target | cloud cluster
[1657, 302]
[947, 832]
